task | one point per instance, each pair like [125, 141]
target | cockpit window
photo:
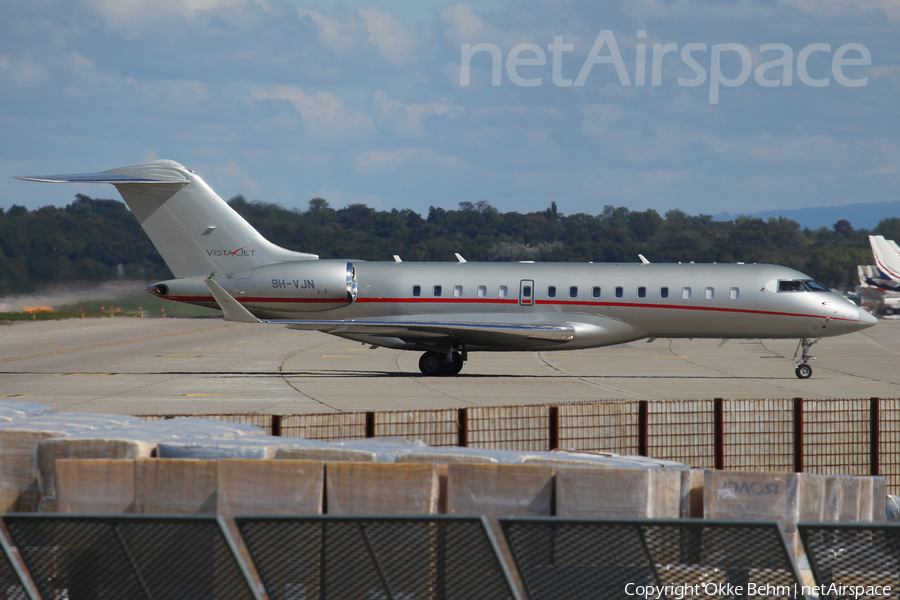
[815, 286]
[801, 285]
[790, 286]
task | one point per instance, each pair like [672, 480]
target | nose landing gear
[441, 363]
[801, 368]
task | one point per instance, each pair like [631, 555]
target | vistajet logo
[777, 70]
[243, 251]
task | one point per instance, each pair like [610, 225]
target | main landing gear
[801, 368]
[441, 363]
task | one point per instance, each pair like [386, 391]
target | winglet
[233, 309]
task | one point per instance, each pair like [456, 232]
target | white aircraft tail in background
[887, 263]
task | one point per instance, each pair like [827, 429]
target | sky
[708, 107]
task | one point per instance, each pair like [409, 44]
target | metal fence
[853, 436]
[845, 558]
[437, 557]
[578, 558]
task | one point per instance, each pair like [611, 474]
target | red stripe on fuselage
[210, 299]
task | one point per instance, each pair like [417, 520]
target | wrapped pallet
[500, 489]
[18, 410]
[95, 486]
[315, 450]
[599, 459]
[248, 447]
[19, 443]
[751, 495]
[450, 455]
[385, 449]
[270, 487]
[175, 486]
[134, 439]
[358, 488]
[692, 493]
[618, 493]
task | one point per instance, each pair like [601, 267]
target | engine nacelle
[308, 285]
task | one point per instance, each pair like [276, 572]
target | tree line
[98, 240]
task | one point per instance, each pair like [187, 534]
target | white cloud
[395, 42]
[390, 160]
[325, 116]
[596, 117]
[139, 13]
[22, 72]
[890, 8]
[405, 120]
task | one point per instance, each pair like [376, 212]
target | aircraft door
[526, 292]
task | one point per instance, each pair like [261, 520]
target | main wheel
[431, 363]
[803, 371]
[454, 366]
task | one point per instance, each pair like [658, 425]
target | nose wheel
[436, 363]
[801, 366]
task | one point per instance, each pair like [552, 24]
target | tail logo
[243, 251]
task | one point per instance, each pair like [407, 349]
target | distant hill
[865, 215]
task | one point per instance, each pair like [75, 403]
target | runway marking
[150, 337]
[86, 373]
[13, 395]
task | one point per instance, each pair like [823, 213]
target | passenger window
[595, 292]
[503, 292]
[686, 293]
[457, 291]
[482, 291]
[663, 292]
[551, 291]
[619, 292]
[573, 291]
[710, 293]
[735, 293]
[437, 291]
[417, 290]
[642, 292]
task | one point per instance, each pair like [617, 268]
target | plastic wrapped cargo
[892, 509]
[360, 488]
[134, 439]
[385, 449]
[602, 492]
[453, 454]
[270, 487]
[500, 489]
[95, 486]
[175, 486]
[18, 410]
[600, 459]
[301, 449]
[247, 447]
[692, 493]
[751, 495]
[19, 443]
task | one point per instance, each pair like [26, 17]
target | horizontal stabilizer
[104, 177]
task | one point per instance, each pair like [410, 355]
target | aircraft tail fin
[193, 229]
[887, 256]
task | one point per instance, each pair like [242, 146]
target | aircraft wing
[427, 329]
[414, 330]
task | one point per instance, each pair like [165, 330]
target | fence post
[462, 427]
[798, 435]
[643, 410]
[370, 424]
[719, 432]
[554, 427]
[276, 425]
[875, 435]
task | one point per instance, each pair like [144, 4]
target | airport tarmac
[188, 366]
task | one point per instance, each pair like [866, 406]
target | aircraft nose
[866, 319]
